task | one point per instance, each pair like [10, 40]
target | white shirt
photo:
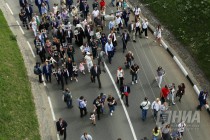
[118, 20]
[88, 137]
[138, 24]
[95, 13]
[88, 59]
[120, 73]
[137, 11]
[145, 105]
[156, 105]
[55, 9]
[181, 127]
[144, 25]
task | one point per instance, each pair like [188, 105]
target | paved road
[149, 56]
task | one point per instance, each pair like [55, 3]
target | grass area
[189, 21]
[18, 120]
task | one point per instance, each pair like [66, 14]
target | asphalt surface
[148, 55]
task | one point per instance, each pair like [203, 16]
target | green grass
[189, 21]
[18, 120]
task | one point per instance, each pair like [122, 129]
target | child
[82, 67]
[93, 118]
[75, 71]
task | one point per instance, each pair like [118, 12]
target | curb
[151, 28]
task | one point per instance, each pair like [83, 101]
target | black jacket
[59, 127]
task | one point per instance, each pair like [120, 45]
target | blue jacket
[45, 69]
[201, 97]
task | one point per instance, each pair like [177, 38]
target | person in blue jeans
[68, 98]
[144, 107]
[111, 104]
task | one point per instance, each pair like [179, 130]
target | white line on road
[31, 49]
[51, 108]
[43, 80]
[58, 137]
[123, 105]
[20, 27]
[9, 9]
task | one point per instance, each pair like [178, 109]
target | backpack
[36, 70]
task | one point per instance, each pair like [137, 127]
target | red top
[165, 92]
[102, 3]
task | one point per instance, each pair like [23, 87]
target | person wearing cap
[156, 107]
[125, 39]
[144, 107]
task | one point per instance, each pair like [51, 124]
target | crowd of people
[59, 29]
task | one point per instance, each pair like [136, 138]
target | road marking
[20, 27]
[58, 137]
[123, 105]
[51, 108]
[31, 49]
[9, 9]
[43, 80]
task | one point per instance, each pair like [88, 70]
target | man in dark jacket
[22, 3]
[39, 4]
[29, 12]
[125, 91]
[95, 71]
[61, 127]
[202, 99]
[125, 39]
[47, 71]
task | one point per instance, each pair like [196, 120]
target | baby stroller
[176, 135]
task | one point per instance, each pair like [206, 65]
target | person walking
[131, 29]
[156, 133]
[156, 107]
[93, 118]
[138, 27]
[144, 107]
[95, 71]
[171, 95]
[158, 35]
[120, 76]
[101, 60]
[88, 60]
[125, 91]
[164, 94]
[86, 136]
[47, 71]
[163, 109]
[82, 106]
[180, 92]
[61, 127]
[109, 48]
[144, 27]
[38, 71]
[111, 104]
[134, 69]
[125, 39]
[68, 98]
[60, 78]
[181, 128]
[129, 59]
[166, 131]
[202, 99]
[160, 73]
[97, 106]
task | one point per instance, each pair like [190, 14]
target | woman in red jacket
[102, 4]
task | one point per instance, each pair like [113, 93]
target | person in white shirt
[137, 12]
[120, 76]
[138, 27]
[171, 94]
[95, 13]
[144, 107]
[86, 136]
[89, 60]
[111, 24]
[158, 35]
[132, 30]
[156, 107]
[144, 27]
[119, 23]
[181, 127]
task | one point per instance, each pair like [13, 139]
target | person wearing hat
[156, 107]
[125, 39]
[144, 107]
